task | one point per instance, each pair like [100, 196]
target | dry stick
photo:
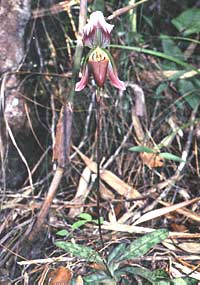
[31, 234]
[47, 203]
[126, 9]
[177, 176]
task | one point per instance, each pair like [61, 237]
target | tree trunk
[14, 16]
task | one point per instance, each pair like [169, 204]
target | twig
[184, 156]
[31, 234]
[124, 10]
[177, 176]
[47, 203]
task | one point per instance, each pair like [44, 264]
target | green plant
[84, 218]
[165, 155]
[114, 267]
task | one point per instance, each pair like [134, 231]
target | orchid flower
[97, 32]
[99, 62]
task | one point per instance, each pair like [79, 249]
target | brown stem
[64, 142]
[47, 203]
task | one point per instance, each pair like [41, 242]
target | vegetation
[125, 206]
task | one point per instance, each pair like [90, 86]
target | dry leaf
[152, 160]
[79, 280]
[185, 212]
[177, 245]
[97, 266]
[61, 148]
[118, 184]
[163, 211]
[59, 276]
[191, 247]
[118, 209]
[117, 227]
[187, 271]
[81, 193]
[179, 228]
[106, 194]
[110, 178]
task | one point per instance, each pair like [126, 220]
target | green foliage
[157, 54]
[98, 5]
[188, 22]
[113, 268]
[84, 219]
[184, 281]
[165, 155]
[62, 233]
[189, 89]
[171, 48]
[153, 277]
[139, 247]
[170, 156]
[142, 148]
[99, 278]
[84, 252]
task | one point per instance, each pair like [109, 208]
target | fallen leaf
[97, 266]
[152, 160]
[163, 211]
[185, 212]
[110, 178]
[59, 276]
[106, 194]
[191, 247]
[81, 193]
[118, 209]
[187, 271]
[178, 228]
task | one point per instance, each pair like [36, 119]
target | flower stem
[98, 158]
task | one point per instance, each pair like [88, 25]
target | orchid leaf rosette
[99, 62]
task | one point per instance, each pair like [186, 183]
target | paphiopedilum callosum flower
[99, 62]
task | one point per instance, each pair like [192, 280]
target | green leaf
[188, 22]
[80, 251]
[146, 274]
[158, 54]
[98, 5]
[184, 281]
[117, 252]
[170, 156]
[142, 148]
[142, 245]
[96, 221]
[85, 216]
[98, 278]
[190, 92]
[171, 48]
[62, 233]
[161, 87]
[78, 224]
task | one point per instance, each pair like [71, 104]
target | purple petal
[84, 79]
[114, 79]
[97, 26]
